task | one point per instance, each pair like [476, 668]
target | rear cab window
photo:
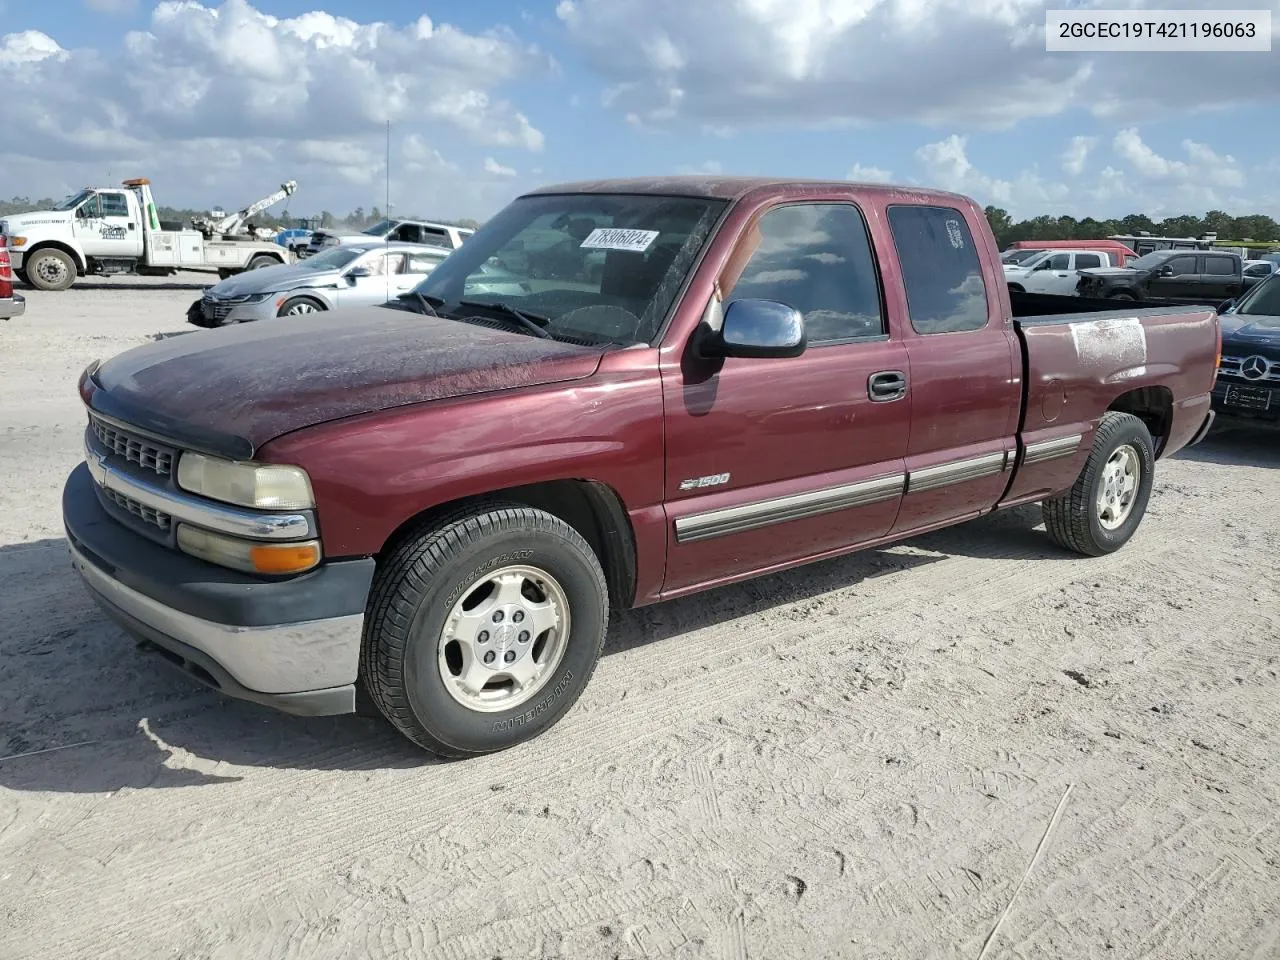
[941, 269]
[1219, 266]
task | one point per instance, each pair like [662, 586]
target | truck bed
[1083, 355]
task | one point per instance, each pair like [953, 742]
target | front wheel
[262, 260]
[298, 306]
[1121, 295]
[50, 269]
[483, 630]
[1102, 510]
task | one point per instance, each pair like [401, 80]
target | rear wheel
[1102, 510]
[50, 269]
[484, 628]
[297, 306]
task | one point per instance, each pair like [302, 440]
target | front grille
[133, 448]
[156, 518]
[214, 309]
[1254, 369]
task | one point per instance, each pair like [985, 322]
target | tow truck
[105, 231]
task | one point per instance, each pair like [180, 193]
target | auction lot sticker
[613, 238]
[1158, 31]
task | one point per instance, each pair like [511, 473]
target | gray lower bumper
[14, 306]
[303, 668]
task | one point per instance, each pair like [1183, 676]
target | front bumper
[292, 644]
[1255, 400]
[14, 306]
[202, 313]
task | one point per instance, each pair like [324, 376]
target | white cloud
[865, 174]
[1077, 154]
[204, 87]
[825, 62]
[1137, 179]
[27, 47]
[494, 168]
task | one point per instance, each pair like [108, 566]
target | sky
[219, 102]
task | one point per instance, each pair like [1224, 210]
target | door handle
[887, 385]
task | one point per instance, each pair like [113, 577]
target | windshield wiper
[428, 306]
[531, 322]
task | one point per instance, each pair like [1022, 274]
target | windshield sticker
[609, 238]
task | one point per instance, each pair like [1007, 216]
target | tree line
[1254, 227]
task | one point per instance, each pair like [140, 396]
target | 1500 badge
[698, 483]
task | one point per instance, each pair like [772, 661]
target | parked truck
[430, 507]
[108, 230]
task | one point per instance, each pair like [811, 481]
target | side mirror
[758, 329]
[1225, 305]
[355, 273]
[1166, 271]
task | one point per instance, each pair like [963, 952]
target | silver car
[365, 273]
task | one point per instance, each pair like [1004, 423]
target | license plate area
[1248, 398]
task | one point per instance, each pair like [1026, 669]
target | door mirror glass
[1166, 271]
[760, 328]
[355, 273]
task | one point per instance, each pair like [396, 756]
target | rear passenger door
[1218, 279]
[966, 385]
[776, 460]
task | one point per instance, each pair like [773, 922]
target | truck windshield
[72, 202]
[1262, 301]
[334, 259]
[380, 228]
[1153, 259]
[598, 267]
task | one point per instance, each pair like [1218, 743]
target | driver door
[106, 226]
[1177, 280]
[369, 279]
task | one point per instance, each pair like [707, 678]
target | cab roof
[737, 187]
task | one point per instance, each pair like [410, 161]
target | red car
[436, 503]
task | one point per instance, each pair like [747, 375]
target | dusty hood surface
[229, 391]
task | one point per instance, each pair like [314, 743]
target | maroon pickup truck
[431, 506]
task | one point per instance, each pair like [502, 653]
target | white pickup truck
[1054, 271]
[115, 230]
[393, 231]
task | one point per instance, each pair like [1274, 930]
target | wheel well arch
[593, 509]
[66, 248]
[1153, 405]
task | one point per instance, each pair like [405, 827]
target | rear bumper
[14, 306]
[290, 644]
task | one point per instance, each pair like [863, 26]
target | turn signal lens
[251, 557]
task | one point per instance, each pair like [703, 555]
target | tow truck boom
[231, 225]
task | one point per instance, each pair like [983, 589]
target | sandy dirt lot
[856, 759]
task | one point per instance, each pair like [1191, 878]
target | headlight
[264, 486]
[271, 558]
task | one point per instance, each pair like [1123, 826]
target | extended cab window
[114, 205]
[816, 258]
[1219, 266]
[940, 269]
[1088, 261]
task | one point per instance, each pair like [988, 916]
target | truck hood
[1110, 272]
[1250, 329]
[20, 221]
[230, 390]
[286, 276]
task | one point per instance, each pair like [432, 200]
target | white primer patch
[1115, 344]
[610, 238]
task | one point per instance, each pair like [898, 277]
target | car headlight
[263, 486]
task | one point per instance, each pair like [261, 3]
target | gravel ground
[855, 759]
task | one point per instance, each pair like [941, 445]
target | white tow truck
[116, 230]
